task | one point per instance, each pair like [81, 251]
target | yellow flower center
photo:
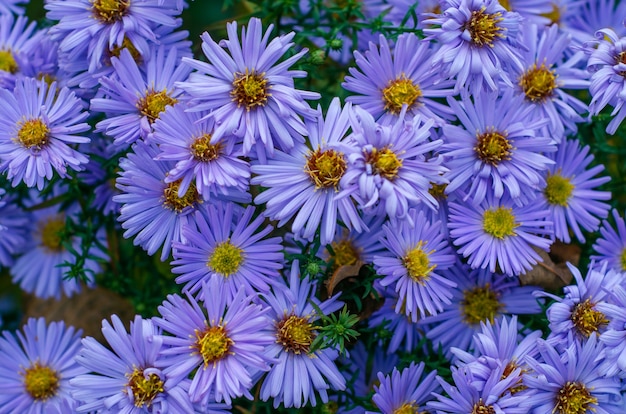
[213, 344]
[176, 203]
[33, 133]
[51, 233]
[41, 382]
[480, 304]
[438, 190]
[145, 390]
[499, 222]
[154, 103]
[203, 151]
[325, 168]
[623, 260]
[384, 162]
[407, 408]
[344, 253]
[126, 44]
[483, 27]
[7, 62]
[587, 319]
[295, 334]
[226, 259]
[508, 370]
[399, 92]
[553, 15]
[492, 147]
[417, 263]
[538, 83]
[250, 89]
[574, 398]
[110, 11]
[481, 408]
[505, 4]
[558, 189]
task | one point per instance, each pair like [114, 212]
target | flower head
[405, 391]
[611, 246]
[14, 224]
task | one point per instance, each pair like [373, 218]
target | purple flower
[298, 373]
[570, 192]
[14, 224]
[38, 125]
[404, 391]
[134, 98]
[249, 94]
[497, 148]
[479, 43]
[303, 184]
[498, 234]
[611, 246]
[386, 80]
[587, 17]
[390, 167]
[227, 245]
[36, 367]
[18, 41]
[223, 342]
[184, 137]
[124, 378]
[11, 6]
[417, 254]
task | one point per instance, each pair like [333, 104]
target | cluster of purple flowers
[449, 172]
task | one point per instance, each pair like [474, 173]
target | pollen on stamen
[7, 62]
[226, 259]
[41, 382]
[33, 133]
[574, 398]
[172, 201]
[480, 304]
[325, 168]
[144, 390]
[295, 334]
[213, 344]
[483, 27]
[538, 83]
[202, 149]
[154, 103]
[110, 11]
[499, 222]
[384, 162]
[493, 147]
[417, 263]
[250, 90]
[587, 319]
[558, 189]
[399, 92]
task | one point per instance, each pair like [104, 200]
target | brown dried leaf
[548, 274]
[342, 272]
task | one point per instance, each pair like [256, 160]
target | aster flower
[416, 256]
[608, 83]
[151, 209]
[404, 391]
[135, 98]
[386, 80]
[479, 296]
[587, 17]
[611, 246]
[229, 246]
[546, 74]
[388, 170]
[95, 26]
[14, 223]
[18, 39]
[479, 43]
[37, 126]
[492, 397]
[497, 148]
[124, 378]
[571, 381]
[250, 95]
[221, 341]
[570, 192]
[36, 367]
[581, 312]
[184, 137]
[532, 11]
[298, 373]
[12, 6]
[304, 182]
[100, 175]
[498, 234]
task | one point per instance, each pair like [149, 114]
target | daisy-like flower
[497, 148]
[480, 296]
[38, 125]
[135, 98]
[250, 95]
[18, 40]
[570, 192]
[223, 342]
[607, 64]
[151, 209]
[416, 256]
[611, 246]
[493, 397]
[571, 381]
[11, 6]
[587, 17]
[390, 167]
[305, 182]
[36, 367]
[533, 11]
[614, 337]
[95, 26]
[498, 234]
[14, 224]
[298, 373]
[124, 378]
[184, 137]
[227, 245]
[479, 43]
[582, 311]
[100, 174]
[386, 80]
[545, 76]
[404, 391]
